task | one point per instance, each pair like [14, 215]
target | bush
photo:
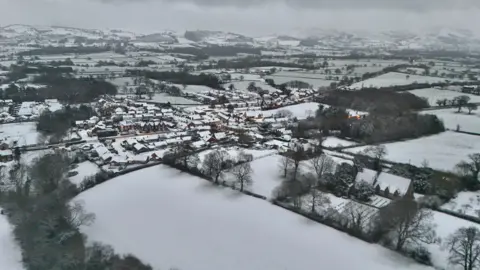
[421, 255]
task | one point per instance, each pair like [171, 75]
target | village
[355, 145]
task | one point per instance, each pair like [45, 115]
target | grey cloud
[251, 17]
[413, 5]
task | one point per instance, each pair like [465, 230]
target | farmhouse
[385, 184]
[6, 155]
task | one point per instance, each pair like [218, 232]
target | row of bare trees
[37, 200]
[216, 165]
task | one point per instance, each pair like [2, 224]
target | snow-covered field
[466, 202]
[164, 97]
[22, 133]
[10, 253]
[234, 151]
[336, 142]
[84, 169]
[395, 78]
[315, 82]
[303, 110]
[451, 118]
[243, 86]
[266, 175]
[446, 225]
[442, 151]
[432, 95]
[194, 225]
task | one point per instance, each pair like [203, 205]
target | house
[386, 184]
[4, 145]
[216, 137]
[140, 148]
[6, 155]
[126, 125]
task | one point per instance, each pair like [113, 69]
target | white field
[84, 169]
[234, 151]
[451, 118]
[446, 225]
[301, 111]
[23, 133]
[304, 110]
[395, 78]
[310, 80]
[171, 219]
[265, 177]
[466, 202]
[336, 142]
[164, 97]
[243, 86]
[442, 151]
[432, 95]
[10, 253]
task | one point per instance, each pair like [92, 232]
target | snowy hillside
[171, 219]
[448, 39]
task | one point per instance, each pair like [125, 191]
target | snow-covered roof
[7, 152]
[139, 146]
[220, 135]
[384, 181]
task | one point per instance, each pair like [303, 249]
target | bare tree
[322, 164]
[296, 158]
[407, 222]
[150, 94]
[471, 107]
[377, 153]
[243, 174]
[215, 163]
[461, 101]
[357, 216]
[284, 164]
[315, 197]
[470, 168]
[464, 247]
[284, 113]
[77, 216]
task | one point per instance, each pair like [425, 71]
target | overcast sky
[254, 17]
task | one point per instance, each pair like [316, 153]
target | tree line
[55, 125]
[39, 201]
[371, 128]
[183, 78]
[64, 50]
[369, 100]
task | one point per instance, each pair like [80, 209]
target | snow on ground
[446, 225]
[195, 88]
[84, 169]
[234, 151]
[452, 118]
[315, 82]
[243, 86]
[395, 78]
[164, 97]
[466, 202]
[336, 142]
[194, 225]
[432, 95]
[266, 175]
[22, 133]
[442, 151]
[10, 253]
[303, 110]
